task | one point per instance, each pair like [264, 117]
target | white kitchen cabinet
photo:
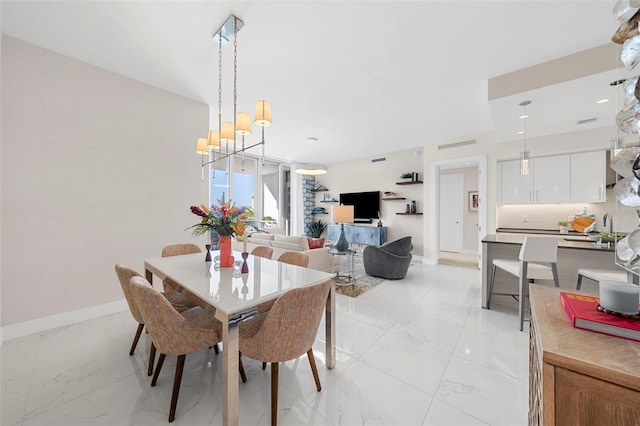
[552, 179]
[588, 177]
[515, 188]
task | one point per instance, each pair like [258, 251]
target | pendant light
[524, 155]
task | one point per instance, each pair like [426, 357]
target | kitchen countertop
[504, 238]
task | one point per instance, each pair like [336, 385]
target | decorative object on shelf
[379, 221]
[563, 224]
[524, 155]
[342, 214]
[318, 187]
[310, 169]
[208, 250]
[413, 206]
[415, 177]
[408, 209]
[227, 220]
[406, 177]
[319, 210]
[228, 132]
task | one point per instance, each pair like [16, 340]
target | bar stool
[535, 254]
[600, 275]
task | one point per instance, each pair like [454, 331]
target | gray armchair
[390, 261]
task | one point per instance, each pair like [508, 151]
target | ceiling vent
[457, 144]
[377, 160]
[586, 121]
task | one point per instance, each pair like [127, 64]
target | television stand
[358, 234]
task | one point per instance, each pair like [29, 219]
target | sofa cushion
[261, 238]
[295, 243]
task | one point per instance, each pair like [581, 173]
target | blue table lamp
[342, 214]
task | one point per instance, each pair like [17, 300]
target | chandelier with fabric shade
[229, 138]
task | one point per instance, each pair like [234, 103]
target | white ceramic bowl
[620, 296]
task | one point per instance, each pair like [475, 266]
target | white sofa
[319, 258]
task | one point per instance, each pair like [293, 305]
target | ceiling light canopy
[310, 169]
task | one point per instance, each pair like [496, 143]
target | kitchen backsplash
[546, 216]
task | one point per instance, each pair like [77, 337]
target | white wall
[97, 169]
[363, 175]
[469, 219]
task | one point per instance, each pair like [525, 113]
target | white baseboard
[25, 328]
[469, 252]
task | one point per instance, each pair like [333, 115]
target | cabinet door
[551, 179]
[515, 188]
[588, 177]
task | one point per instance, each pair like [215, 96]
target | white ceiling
[364, 77]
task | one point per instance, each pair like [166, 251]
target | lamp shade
[202, 147]
[214, 139]
[243, 124]
[310, 169]
[262, 117]
[226, 132]
[342, 214]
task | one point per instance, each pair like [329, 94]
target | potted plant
[563, 224]
[406, 177]
[315, 230]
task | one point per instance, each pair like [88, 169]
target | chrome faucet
[604, 222]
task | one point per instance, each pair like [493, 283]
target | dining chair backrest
[291, 326]
[262, 251]
[539, 249]
[294, 258]
[170, 332]
[124, 276]
[180, 249]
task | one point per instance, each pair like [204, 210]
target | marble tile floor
[419, 351]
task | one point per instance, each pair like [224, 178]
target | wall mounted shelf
[329, 201]
[394, 198]
[409, 214]
[417, 182]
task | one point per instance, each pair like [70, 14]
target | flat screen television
[366, 205]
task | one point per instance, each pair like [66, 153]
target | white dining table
[234, 296]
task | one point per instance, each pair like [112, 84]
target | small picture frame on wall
[473, 201]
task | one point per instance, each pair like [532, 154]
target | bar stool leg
[579, 283]
[554, 270]
[493, 278]
[523, 281]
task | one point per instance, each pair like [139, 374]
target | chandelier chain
[220, 84]
[235, 77]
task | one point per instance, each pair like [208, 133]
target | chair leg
[314, 370]
[216, 349]
[264, 365]
[152, 359]
[579, 283]
[493, 278]
[243, 376]
[136, 338]
[158, 368]
[274, 393]
[176, 387]
[554, 270]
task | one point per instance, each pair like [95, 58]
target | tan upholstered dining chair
[175, 299]
[262, 251]
[285, 332]
[173, 333]
[292, 258]
[168, 284]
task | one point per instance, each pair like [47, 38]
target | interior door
[451, 205]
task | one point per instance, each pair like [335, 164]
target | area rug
[363, 282]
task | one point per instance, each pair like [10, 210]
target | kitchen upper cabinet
[588, 177]
[514, 187]
[551, 179]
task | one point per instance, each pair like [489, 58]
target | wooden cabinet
[588, 177]
[551, 179]
[514, 187]
[578, 377]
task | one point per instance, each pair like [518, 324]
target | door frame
[479, 161]
[460, 178]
